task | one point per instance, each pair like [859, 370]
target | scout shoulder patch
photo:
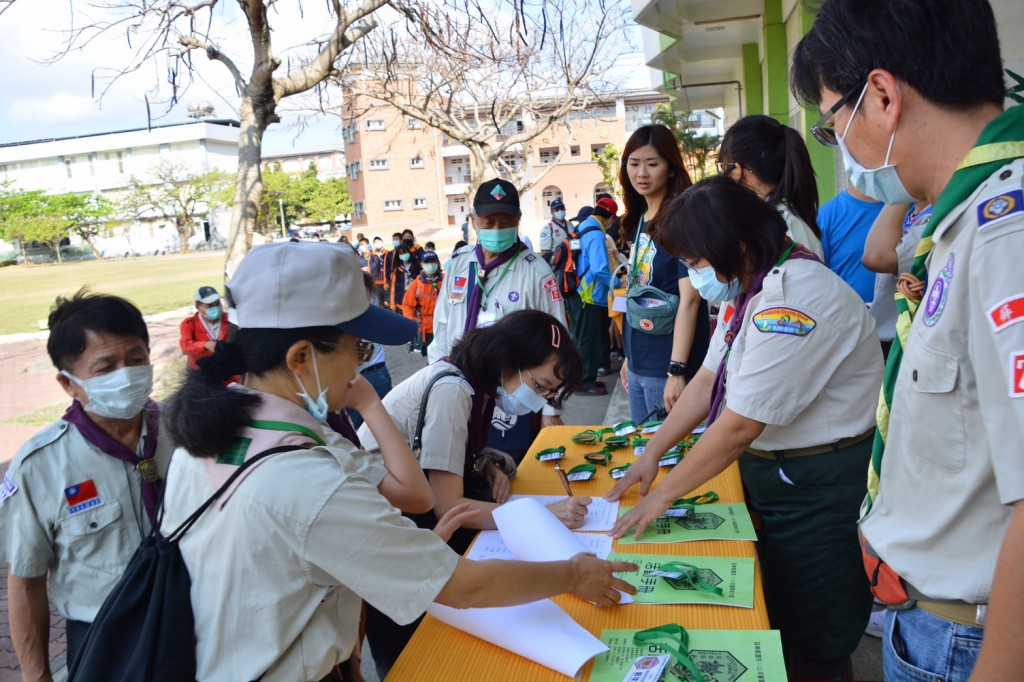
[1017, 375]
[1000, 207]
[82, 496]
[784, 321]
[8, 487]
[551, 287]
[529, 257]
[1007, 312]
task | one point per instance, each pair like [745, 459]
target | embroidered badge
[458, 289]
[784, 321]
[728, 313]
[1017, 375]
[1000, 207]
[513, 296]
[8, 487]
[937, 295]
[529, 258]
[1005, 313]
[498, 193]
[551, 286]
[82, 496]
[646, 325]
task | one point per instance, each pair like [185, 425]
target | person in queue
[555, 230]
[788, 388]
[81, 494]
[657, 365]
[772, 159]
[407, 269]
[943, 527]
[306, 532]
[200, 332]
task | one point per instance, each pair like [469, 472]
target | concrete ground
[31, 395]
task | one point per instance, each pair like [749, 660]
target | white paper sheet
[601, 514]
[540, 631]
[489, 545]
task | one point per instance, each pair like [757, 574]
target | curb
[43, 335]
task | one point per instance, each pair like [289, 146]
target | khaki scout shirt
[954, 457]
[84, 539]
[806, 361]
[280, 571]
[800, 232]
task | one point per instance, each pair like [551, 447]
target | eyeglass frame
[818, 129]
[365, 350]
[724, 168]
[546, 393]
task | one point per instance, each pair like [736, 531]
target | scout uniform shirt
[551, 235]
[806, 361]
[74, 511]
[953, 458]
[800, 232]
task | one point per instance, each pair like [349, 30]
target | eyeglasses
[688, 264]
[725, 167]
[825, 133]
[365, 350]
[546, 393]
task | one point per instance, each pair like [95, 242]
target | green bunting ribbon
[690, 574]
[675, 640]
[601, 457]
[551, 454]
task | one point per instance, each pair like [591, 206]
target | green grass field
[153, 283]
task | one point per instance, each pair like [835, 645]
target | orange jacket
[421, 295]
[194, 335]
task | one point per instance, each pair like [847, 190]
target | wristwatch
[676, 369]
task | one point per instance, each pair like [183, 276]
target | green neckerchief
[1001, 140]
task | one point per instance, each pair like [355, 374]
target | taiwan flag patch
[82, 496]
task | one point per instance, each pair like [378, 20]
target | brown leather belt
[972, 615]
[816, 450]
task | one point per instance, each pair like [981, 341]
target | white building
[105, 162]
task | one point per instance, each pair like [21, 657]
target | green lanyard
[601, 457]
[480, 280]
[689, 574]
[287, 426]
[675, 640]
[688, 503]
[637, 256]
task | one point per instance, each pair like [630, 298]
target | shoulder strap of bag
[417, 439]
[190, 521]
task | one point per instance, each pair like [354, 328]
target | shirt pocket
[938, 435]
[96, 539]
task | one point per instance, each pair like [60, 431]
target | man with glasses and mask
[82, 493]
[943, 522]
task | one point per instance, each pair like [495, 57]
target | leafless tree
[493, 75]
[167, 34]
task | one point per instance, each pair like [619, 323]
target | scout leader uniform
[805, 361]
[952, 463]
[74, 504]
[552, 234]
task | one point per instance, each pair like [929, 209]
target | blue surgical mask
[882, 183]
[705, 281]
[560, 215]
[396, 243]
[316, 408]
[430, 268]
[213, 314]
[404, 257]
[120, 394]
[523, 400]
[498, 240]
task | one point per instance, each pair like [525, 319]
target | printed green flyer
[707, 522]
[733, 576]
[720, 655]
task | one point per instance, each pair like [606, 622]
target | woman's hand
[594, 579]
[640, 516]
[453, 520]
[624, 374]
[642, 471]
[673, 389]
[361, 394]
[571, 511]
[498, 482]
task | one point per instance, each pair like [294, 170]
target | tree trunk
[248, 188]
[95, 249]
[183, 224]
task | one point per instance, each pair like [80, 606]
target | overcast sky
[45, 101]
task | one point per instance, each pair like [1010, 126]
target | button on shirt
[76, 513]
[953, 456]
[806, 361]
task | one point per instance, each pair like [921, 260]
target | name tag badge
[647, 668]
[487, 318]
[619, 305]
[574, 244]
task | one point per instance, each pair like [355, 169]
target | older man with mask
[82, 493]
[496, 277]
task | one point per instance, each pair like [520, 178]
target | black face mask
[407, 242]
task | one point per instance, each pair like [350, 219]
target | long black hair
[777, 155]
[520, 340]
[664, 142]
[203, 415]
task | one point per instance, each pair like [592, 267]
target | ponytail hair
[777, 155]
[204, 416]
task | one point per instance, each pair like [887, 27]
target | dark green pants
[590, 331]
[815, 587]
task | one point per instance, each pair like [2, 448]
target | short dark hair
[520, 340]
[397, 234]
[717, 216]
[850, 38]
[429, 246]
[664, 142]
[71, 318]
[203, 415]
[777, 155]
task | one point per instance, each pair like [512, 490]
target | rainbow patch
[784, 321]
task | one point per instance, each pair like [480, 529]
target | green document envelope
[708, 522]
[733, 575]
[721, 655]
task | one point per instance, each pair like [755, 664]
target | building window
[120, 163]
[358, 209]
[548, 154]
[574, 150]
[417, 162]
[352, 169]
[3, 171]
[414, 123]
[376, 124]
[419, 202]
[550, 193]
[392, 204]
[67, 168]
[378, 164]
[595, 150]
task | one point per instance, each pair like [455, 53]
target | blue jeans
[644, 394]
[920, 647]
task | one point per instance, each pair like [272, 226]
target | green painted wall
[776, 67]
[753, 101]
[822, 158]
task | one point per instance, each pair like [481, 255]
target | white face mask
[523, 400]
[705, 281]
[882, 183]
[316, 408]
[560, 214]
[120, 394]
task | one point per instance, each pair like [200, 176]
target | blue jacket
[593, 270]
